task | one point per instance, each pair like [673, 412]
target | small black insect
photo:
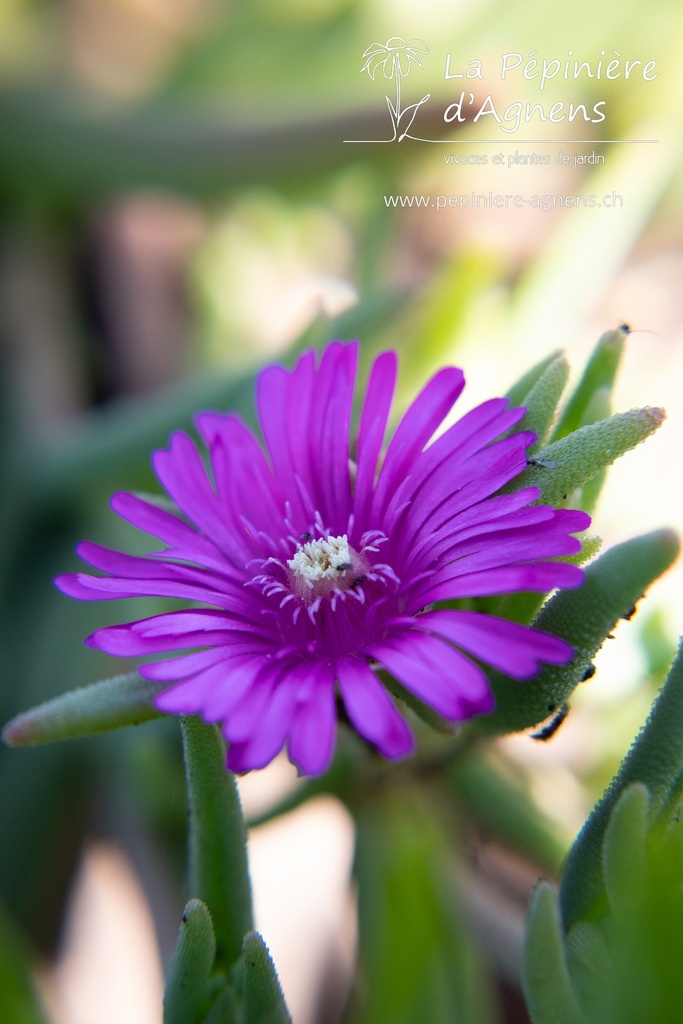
[630, 613]
[542, 463]
[624, 327]
[357, 582]
[343, 566]
[588, 674]
[305, 538]
[546, 732]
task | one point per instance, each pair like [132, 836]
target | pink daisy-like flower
[316, 569]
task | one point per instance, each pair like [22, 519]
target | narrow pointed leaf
[542, 400]
[502, 805]
[655, 760]
[521, 388]
[600, 372]
[188, 976]
[264, 1002]
[101, 707]
[218, 871]
[599, 408]
[225, 1009]
[19, 999]
[614, 583]
[580, 456]
[589, 963]
[547, 985]
[417, 961]
[623, 856]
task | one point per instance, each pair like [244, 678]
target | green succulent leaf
[218, 870]
[502, 805]
[584, 406]
[225, 1009]
[588, 960]
[521, 388]
[614, 583]
[19, 999]
[113, 442]
[655, 760]
[624, 857]
[189, 975]
[625, 964]
[542, 400]
[100, 707]
[599, 408]
[546, 981]
[568, 463]
[416, 960]
[264, 1002]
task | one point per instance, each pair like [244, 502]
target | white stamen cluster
[325, 569]
[320, 560]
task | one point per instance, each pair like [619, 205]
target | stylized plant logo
[395, 58]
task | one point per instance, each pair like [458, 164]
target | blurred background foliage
[177, 205]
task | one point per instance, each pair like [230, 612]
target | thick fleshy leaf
[589, 962]
[613, 584]
[544, 397]
[547, 985]
[599, 408]
[101, 707]
[521, 388]
[218, 871]
[624, 857]
[264, 1002]
[19, 999]
[566, 464]
[417, 959]
[634, 940]
[600, 372]
[497, 797]
[188, 978]
[656, 761]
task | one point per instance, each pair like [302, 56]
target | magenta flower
[314, 569]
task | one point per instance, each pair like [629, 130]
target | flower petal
[415, 429]
[312, 734]
[213, 692]
[244, 481]
[437, 674]
[373, 424]
[174, 630]
[169, 528]
[372, 710]
[541, 577]
[516, 650]
[267, 738]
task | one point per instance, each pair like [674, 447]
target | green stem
[218, 871]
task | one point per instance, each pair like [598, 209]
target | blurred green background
[177, 206]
